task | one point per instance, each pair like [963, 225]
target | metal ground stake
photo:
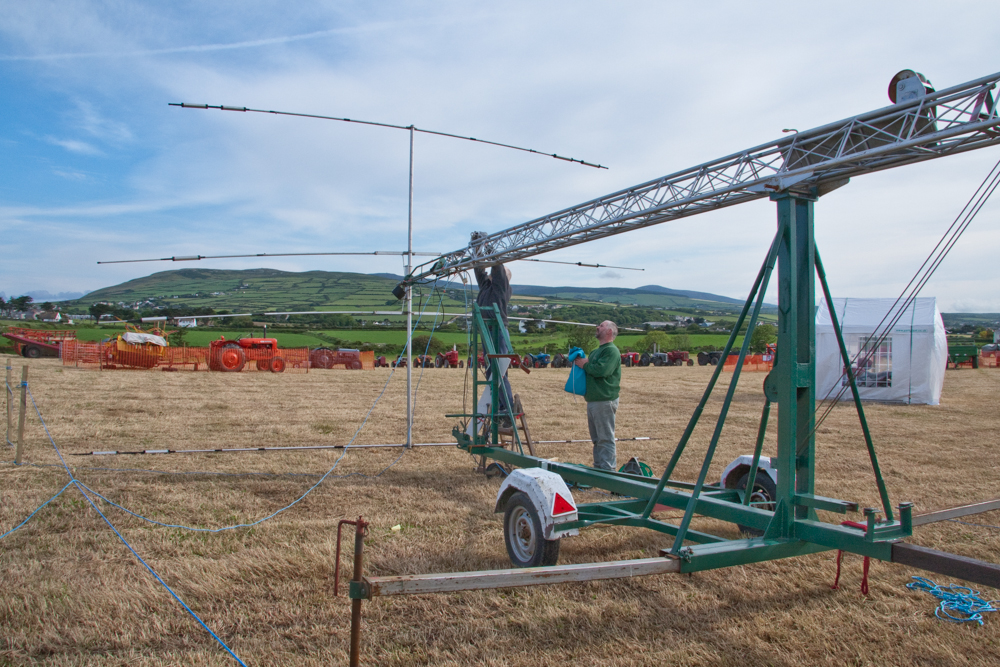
[20, 416]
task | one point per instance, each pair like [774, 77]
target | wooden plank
[532, 576]
[950, 565]
[955, 512]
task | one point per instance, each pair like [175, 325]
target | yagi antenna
[195, 258]
[413, 128]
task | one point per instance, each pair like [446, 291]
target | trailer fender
[549, 494]
[741, 466]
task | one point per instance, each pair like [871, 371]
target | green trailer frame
[790, 526]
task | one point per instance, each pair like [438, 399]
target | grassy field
[74, 595]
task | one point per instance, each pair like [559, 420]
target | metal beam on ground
[446, 582]
[955, 512]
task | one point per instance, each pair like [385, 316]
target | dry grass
[73, 595]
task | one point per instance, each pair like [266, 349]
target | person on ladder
[494, 290]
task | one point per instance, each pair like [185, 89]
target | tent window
[873, 362]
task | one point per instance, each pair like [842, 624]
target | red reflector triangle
[561, 506]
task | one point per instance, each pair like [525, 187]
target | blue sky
[96, 166]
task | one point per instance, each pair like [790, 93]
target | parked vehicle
[231, 356]
[540, 360]
[709, 358]
[631, 359]
[448, 359]
[324, 357]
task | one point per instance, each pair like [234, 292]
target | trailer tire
[764, 491]
[522, 534]
[32, 352]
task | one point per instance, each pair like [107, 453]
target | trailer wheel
[522, 533]
[32, 352]
[761, 496]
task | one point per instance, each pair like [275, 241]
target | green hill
[259, 290]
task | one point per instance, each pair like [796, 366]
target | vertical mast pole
[409, 309]
[795, 365]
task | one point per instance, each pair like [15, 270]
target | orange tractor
[231, 356]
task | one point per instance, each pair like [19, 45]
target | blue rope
[153, 572]
[81, 487]
[959, 604]
[68, 484]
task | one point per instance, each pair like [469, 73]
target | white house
[905, 366]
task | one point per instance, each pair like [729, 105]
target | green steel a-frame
[789, 526]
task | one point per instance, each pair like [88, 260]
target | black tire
[644, 359]
[522, 534]
[657, 361]
[762, 496]
[975, 362]
[679, 362]
[439, 362]
[702, 358]
[713, 361]
[628, 362]
[690, 362]
[32, 352]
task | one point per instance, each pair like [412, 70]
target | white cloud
[74, 146]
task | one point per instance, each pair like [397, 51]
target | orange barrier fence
[43, 335]
[111, 355]
[752, 362]
[368, 360]
[989, 359]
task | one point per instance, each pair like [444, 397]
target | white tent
[906, 367]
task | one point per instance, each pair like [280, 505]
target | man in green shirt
[604, 376]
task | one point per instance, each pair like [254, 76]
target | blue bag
[577, 381]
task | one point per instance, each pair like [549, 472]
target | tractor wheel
[439, 361]
[713, 361]
[461, 364]
[263, 364]
[762, 496]
[657, 361]
[522, 534]
[527, 361]
[644, 359]
[679, 362]
[690, 362]
[231, 359]
[321, 357]
[355, 365]
[32, 352]
[628, 362]
[277, 365]
[702, 359]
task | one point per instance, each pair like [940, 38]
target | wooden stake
[20, 416]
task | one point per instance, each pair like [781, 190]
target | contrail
[200, 48]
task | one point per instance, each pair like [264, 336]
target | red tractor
[448, 359]
[630, 359]
[324, 357]
[231, 356]
[381, 362]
